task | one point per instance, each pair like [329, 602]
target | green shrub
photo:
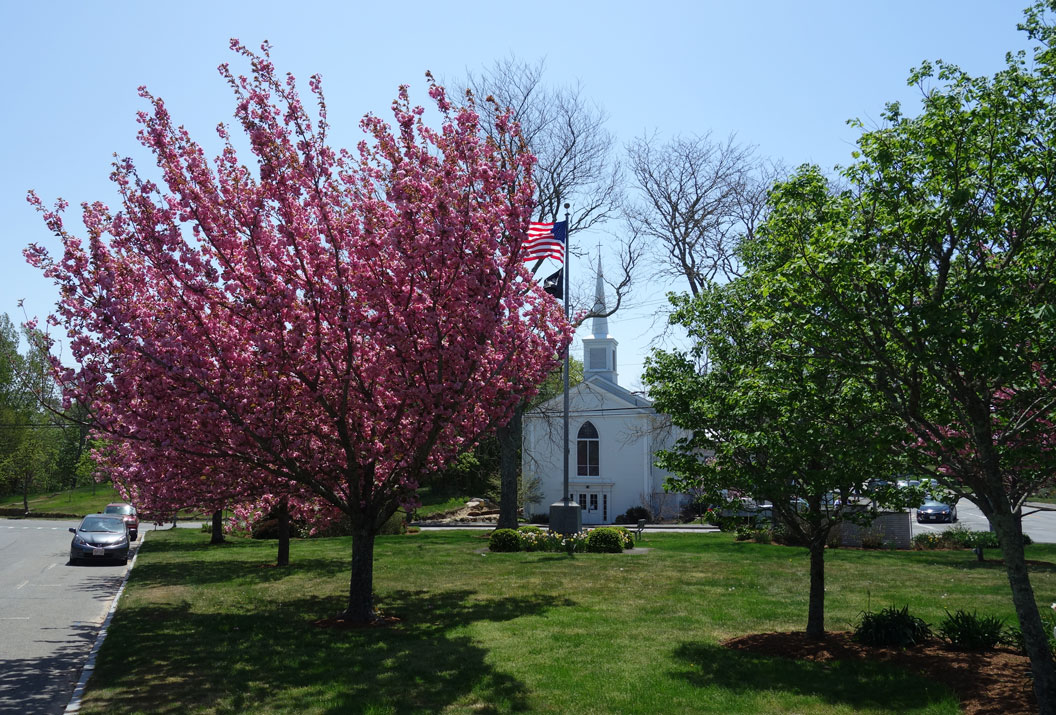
[625, 534]
[1013, 636]
[968, 631]
[872, 541]
[891, 627]
[632, 515]
[927, 541]
[744, 533]
[504, 540]
[762, 536]
[605, 540]
[959, 537]
[395, 524]
[529, 530]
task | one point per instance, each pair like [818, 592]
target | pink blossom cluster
[325, 325]
[1020, 435]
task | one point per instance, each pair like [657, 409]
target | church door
[594, 505]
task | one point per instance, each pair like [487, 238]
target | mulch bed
[988, 683]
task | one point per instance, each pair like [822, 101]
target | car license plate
[98, 552]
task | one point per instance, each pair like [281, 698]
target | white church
[613, 436]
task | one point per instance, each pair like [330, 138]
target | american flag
[545, 240]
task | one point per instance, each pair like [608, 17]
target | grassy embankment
[77, 502]
[217, 630]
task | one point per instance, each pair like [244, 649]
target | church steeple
[600, 322]
[599, 350]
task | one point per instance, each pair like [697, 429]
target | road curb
[89, 666]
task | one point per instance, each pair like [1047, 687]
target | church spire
[600, 323]
[599, 350]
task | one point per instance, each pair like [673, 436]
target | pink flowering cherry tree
[338, 322]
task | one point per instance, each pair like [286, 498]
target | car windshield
[102, 523]
[932, 502]
[118, 509]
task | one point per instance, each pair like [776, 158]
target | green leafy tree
[934, 274]
[768, 417]
[29, 438]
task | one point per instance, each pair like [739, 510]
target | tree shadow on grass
[995, 563]
[203, 572]
[171, 659]
[856, 684]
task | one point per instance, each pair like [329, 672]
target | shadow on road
[29, 686]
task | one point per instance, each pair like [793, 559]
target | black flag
[555, 284]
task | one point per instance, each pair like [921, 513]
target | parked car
[100, 536]
[932, 510]
[129, 513]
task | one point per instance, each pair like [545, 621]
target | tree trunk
[361, 586]
[25, 493]
[509, 436]
[1035, 639]
[283, 558]
[816, 605]
[218, 527]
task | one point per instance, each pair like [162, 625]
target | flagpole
[568, 348]
[566, 517]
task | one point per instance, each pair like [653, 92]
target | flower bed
[604, 539]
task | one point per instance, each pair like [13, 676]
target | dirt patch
[987, 683]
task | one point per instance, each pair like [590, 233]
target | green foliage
[969, 631]
[395, 524]
[504, 540]
[927, 540]
[606, 540]
[872, 541]
[633, 515]
[959, 537]
[762, 536]
[891, 628]
[88, 499]
[40, 449]
[1013, 635]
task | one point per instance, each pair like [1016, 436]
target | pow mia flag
[555, 284]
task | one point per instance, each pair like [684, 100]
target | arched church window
[588, 448]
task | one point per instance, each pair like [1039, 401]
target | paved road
[50, 613]
[1039, 525]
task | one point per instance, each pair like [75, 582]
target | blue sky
[783, 76]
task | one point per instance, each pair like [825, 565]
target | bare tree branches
[566, 133]
[697, 198]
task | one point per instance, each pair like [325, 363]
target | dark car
[129, 513]
[932, 510]
[100, 536]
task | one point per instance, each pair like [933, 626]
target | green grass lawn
[78, 501]
[219, 630]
